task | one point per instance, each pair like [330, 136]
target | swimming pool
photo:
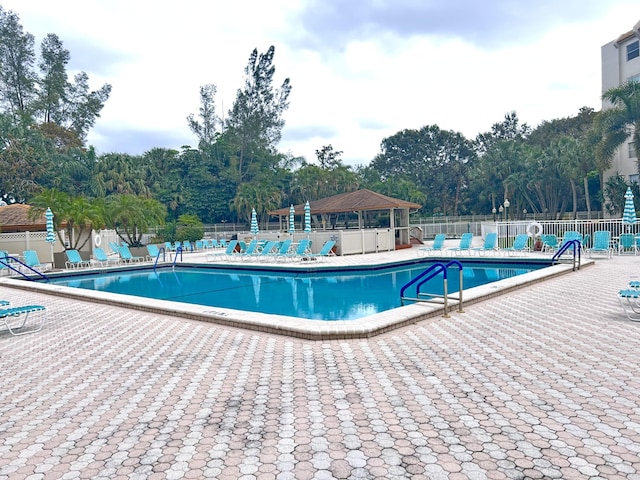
[318, 294]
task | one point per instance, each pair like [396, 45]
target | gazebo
[362, 221]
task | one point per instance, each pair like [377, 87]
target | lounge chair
[629, 300]
[250, 250]
[228, 252]
[7, 315]
[154, 252]
[186, 246]
[436, 246]
[569, 236]
[102, 259]
[74, 260]
[549, 242]
[31, 260]
[168, 246]
[520, 244]
[465, 243]
[200, 245]
[490, 244]
[325, 251]
[282, 252]
[302, 249]
[627, 244]
[266, 251]
[601, 243]
[126, 256]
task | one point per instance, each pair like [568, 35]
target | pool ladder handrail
[6, 261]
[577, 248]
[433, 270]
[175, 259]
[163, 252]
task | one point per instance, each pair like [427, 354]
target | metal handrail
[430, 273]
[162, 251]
[5, 261]
[577, 248]
[175, 259]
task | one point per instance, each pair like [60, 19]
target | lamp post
[506, 215]
[501, 210]
[493, 210]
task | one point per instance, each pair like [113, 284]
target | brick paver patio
[543, 382]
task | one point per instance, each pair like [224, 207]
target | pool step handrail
[8, 259]
[428, 274]
[163, 252]
[175, 258]
[577, 248]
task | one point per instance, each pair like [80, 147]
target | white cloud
[360, 71]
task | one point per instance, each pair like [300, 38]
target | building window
[633, 50]
[632, 150]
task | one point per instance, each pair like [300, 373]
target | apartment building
[621, 63]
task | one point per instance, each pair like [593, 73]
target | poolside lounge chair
[186, 246]
[302, 249]
[601, 243]
[153, 252]
[250, 250]
[101, 258]
[9, 314]
[465, 243]
[325, 251]
[282, 252]
[227, 252]
[436, 246]
[74, 260]
[490, 244]
[266, 250]
[629, 300]
[569, 236]
[31, 260]
[627, 244]
[126, 256]
[549, 242]
[520, 244]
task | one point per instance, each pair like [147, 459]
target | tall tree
[17, 59]
[53, 82]
[255, 121]
[206, 129]
[622, 121]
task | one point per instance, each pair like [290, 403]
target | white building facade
[620, 64]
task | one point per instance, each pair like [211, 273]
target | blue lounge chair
[629, 300]
[465, 243]
[520, 244]
[228, 252]
[200, 245]
[31, 260]
[186, 246]
[282, 253]
[302, 249]
[490, 244]
[437, 246]
[325, 251]
[74, 260]
[601, 243]
[266, 251]
[102, 259]
[126, 256]
[251, 249]
[549, 242]
[627, 244]
[12, 313]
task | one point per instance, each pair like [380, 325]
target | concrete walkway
[543, 382]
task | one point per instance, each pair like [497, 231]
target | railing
[577, 247]
[175, 258]
[427, 275]
[162, 251]
[7, 260]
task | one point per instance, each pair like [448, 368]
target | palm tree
[131, 216]
[622, 121]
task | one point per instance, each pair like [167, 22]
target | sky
[360, 70]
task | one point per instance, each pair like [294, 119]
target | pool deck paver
[542, 382]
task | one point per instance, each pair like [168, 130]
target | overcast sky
[360, 70]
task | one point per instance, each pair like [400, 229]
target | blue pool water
[345, 294]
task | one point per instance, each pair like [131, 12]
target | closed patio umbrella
[307, 217]
[254, 223]
[51, 236]
[629, 216]
[292, 218]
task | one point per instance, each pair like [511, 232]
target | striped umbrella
[629, 215]
[307, 217]
[292, 218]
[254, 222]
[51, 236]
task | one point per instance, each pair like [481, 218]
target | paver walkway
[543, 382]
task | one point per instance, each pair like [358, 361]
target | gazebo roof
[15, 218]
[359, 200]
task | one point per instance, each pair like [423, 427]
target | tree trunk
[587, 198]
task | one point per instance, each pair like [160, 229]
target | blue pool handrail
[163, 252]
[178, 252]
[8, 259]
[428, 274]
[577, 247]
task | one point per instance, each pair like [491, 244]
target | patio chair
[227, 252]
[251, 249]
[302, 249]
[10, 314]
[74, 260]
[325, 251]
[126, 256]
[436, 246]
[153, 252]
[490, 244]
[101, 258]
[549, 242]
[186, 246]
[569, 236]
[465, 243]
[627, 244]
[31, 260]
[629, 300]
[266, 250]
[520, 244]
[601, 243]
[282, 253]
